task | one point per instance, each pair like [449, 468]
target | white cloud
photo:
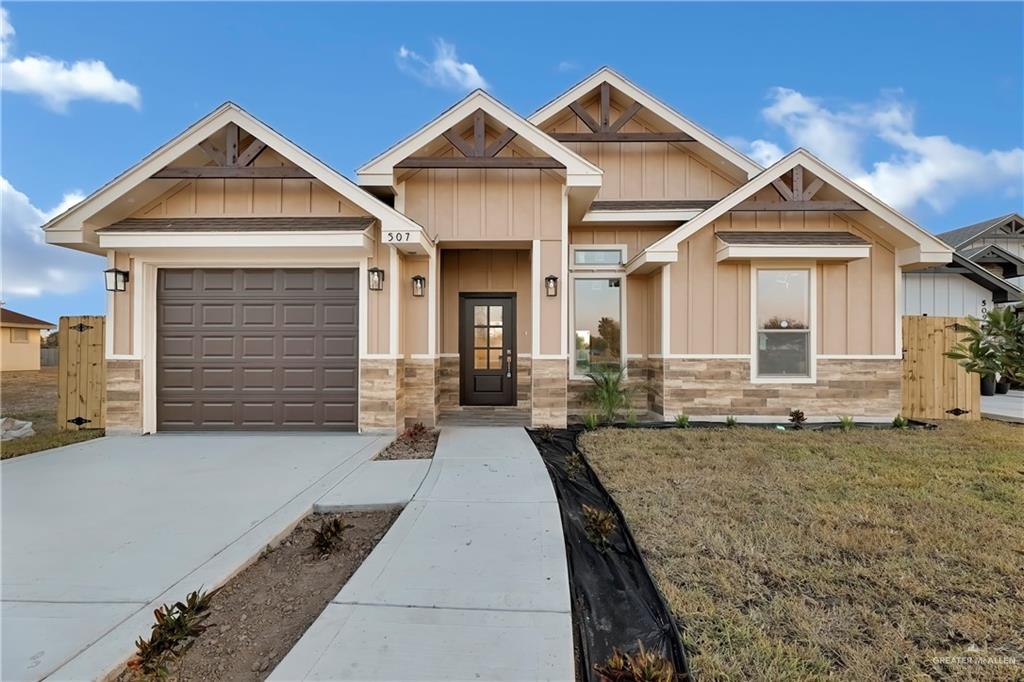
[56, 82]
[567, 65]
[443, 71]
[917, 169]
[31, 267]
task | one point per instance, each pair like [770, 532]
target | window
[598, 257]
[19, 335]
[487, 336]
[597, 323]
[783, 324]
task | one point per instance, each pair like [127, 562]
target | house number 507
[398, 236]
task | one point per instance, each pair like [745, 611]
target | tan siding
[478, 271]
[123, 309]
[551, 306]
[378, 319]
[654, 315]
[635, 238]
[412, 320]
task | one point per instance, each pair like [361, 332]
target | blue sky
[921, 102]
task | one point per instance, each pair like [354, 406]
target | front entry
[487, 349]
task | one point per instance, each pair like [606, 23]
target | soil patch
[412, 444]
[32, 396]
[259, 615]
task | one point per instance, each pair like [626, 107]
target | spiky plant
[730, 422]
[574, 464]
[176, 627]
[599, 525]
[631, 418]
[797, 418]
[546, 433]
[900, 422]
[636, 666]
[683, 421]
[609, 394]
[329, 535]
[591, 421]
[846, 423]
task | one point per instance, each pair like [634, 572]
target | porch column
[549, 375]
[416, 325]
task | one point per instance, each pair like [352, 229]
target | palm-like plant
[992, 344]
[609, 394]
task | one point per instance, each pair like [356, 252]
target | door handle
[508, 363]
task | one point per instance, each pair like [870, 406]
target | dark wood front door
[487, 349]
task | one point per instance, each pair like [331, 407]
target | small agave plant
[591, 421]
[846, 423]
[328, 536]
[599, 525]
[900, 422]
[730, 422]
[683, 421]
[636, 666]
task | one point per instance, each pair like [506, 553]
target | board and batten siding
[945, 294]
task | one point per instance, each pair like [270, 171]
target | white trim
[727, 252]
[448, 355]
[108, 331]
[138, 333]
[651, 104]
[122, 356]
[900, 306]
[666, 310]
[433, 284]
[701, 356]
[140, 239]
[535, 288]
[840, 356]
[812, 321]
[678, 215]
[623, 314]
[393, 297]
[421, 356]
[580, 267]
[564, 275]
[383, 356]
[364, 315]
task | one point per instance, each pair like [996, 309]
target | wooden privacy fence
[935, 387]
[81, 373]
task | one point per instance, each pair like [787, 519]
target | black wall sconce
[116, 280]
[375, 277]
[419, 283]
[551, 285]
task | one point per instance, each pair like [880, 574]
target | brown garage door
[257, 350]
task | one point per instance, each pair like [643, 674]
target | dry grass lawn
[869, 555]
[32, 396]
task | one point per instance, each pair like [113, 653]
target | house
[484, 264]
[987, 269]
[21, 340]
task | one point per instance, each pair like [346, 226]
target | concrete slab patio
[1006, 407]
[96, 535]
[376, 485]
[469, 583]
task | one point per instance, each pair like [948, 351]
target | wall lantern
[419, 282]
[551, 285]
[376, 279]
[116, 280]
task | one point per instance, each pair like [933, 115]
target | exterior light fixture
[376, 279]
[116, 280]
[551, 285]
[419, 283]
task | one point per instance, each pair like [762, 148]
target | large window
[783, 319]
[597, 323]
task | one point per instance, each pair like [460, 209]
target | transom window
[488, 333]
[597, 323]
[783, 329]
[598, 257]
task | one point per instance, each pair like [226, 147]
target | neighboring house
[987, 269]
[493, 260]
[21, 339]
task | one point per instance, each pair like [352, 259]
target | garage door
[257, 349]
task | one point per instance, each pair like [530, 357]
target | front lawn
[32, 396]
[873, 554]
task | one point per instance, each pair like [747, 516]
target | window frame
[14, 339]
[619, 267]
[604, 273]
[812, 321]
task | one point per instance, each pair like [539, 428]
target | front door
[487, 349]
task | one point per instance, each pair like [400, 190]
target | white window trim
[618, 267]
[812, 270]
[600, 273]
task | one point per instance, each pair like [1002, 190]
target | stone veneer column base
[857, 388]
[381, 395]
[549, 406]
[420, 389]
[124, 398]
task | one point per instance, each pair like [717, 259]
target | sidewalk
[469, 584]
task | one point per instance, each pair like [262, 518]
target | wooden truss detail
[477, 153]
[228, 163]
[606, 130]
[798, 197]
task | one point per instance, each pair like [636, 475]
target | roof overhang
[993, 253]
[671, 216]
[1002, 291]
[743, 252]
[141, 240]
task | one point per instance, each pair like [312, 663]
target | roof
[69, 227]
[796, 238]
[243, 224]
[9, 318]
[964, 235]
[993, 253]
[651, 204]
[652, 104]
[1002, 290]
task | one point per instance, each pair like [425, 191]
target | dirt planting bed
[259, 615]
[416, 442]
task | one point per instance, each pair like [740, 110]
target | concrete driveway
[97, 535]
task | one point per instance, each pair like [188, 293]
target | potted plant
[993, 345]
[1003, 384]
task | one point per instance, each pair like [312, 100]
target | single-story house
[987, 270]
[484, 264]
[22, 336]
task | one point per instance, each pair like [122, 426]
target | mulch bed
[412, 446]
[259, 615]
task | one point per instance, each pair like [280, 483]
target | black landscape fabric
[616, 602]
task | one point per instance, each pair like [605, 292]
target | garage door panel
[257, 349]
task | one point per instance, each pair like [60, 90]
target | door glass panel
[480, 337]
[496, 336]
[495, 358]
[496, 315]
[480, 359]
[480, 314]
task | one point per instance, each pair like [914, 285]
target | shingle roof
[239, 224]
[963, 235]
[9, 317]
[795, 238]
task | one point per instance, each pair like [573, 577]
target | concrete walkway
[96, 535]
[1007, 407]
[470, 583]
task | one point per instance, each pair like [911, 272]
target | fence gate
[81, 373]
[935, 387]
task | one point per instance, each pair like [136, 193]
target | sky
[921, 103]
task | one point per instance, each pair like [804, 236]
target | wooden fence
[81, 373]
[935, 387]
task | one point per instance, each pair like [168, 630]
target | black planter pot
[1003, 386]
[988, 385]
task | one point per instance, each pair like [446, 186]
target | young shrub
[546, 433]
[609, 394]
[599, 525]
[631, 418]
[797, 418]
[683, 421]
[846, 423]
[591, 421]
[574, 464]
[730, 422]
[176, 627]
[636, 666]
[328, 536]
[900, 422]
[415, 432]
